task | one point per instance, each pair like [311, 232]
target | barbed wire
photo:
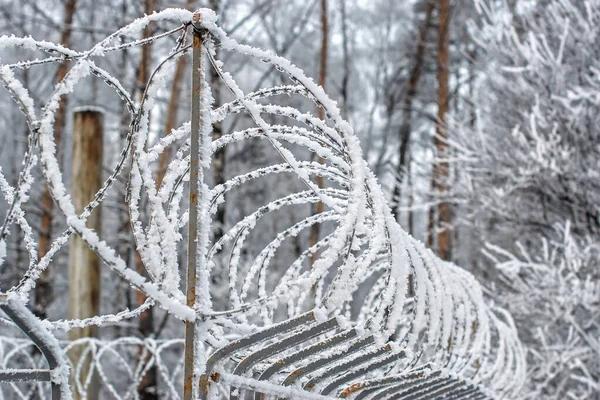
[436, 318]
[118, 363]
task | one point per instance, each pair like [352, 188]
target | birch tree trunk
[84, 264]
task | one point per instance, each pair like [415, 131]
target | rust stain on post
[193, 211]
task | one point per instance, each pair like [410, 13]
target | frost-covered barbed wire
[119, 364]
[376, 301]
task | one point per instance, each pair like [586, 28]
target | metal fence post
[193, 227]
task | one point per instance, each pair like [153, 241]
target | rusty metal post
[188, 369]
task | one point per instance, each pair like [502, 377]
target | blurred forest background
[479, 118]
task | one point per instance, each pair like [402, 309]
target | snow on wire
[374, 293]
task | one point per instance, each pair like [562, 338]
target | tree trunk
[406, 107]
[219, 157]
[124, 235]
[19, 250]
[440, 168]
[218, 162]
[346, 58]
[171, 118]
[431, 214]
[84, 264]
[318, 208]
[411, 199]
[147, 388]
[170, 124]
[43, 288]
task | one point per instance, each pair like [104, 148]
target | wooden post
[84, 264]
